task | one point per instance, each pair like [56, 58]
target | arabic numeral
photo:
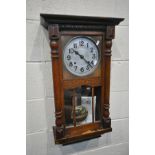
[71, 51]
[68, 57]
[81, 43]
[91, 49]
[70, 64]
[92, 62]
[94, 56]
[82, 69]
[75, 67]
[87, 68]
[75, 45]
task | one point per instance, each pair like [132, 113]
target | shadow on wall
[38, 45]
[80, 146]
[37, 40]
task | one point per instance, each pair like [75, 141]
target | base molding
[68, 139]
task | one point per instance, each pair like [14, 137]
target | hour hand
[76, 52]
[82, 57]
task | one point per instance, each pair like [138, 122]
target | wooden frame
[57, 26]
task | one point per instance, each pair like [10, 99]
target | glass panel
[68, 107]
[82, 105]
[85, 109]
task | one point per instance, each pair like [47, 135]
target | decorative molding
[82, 27]
[47, 19]
[106, 112]
[54, 37]
[59, 124]
[108, 44]
[106, 106]
[54, 49]
[106, 122]
[53, 30]
[110, 32]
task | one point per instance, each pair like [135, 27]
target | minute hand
[82, 57]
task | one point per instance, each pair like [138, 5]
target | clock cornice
[68, 21]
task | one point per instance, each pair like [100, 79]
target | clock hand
[82, 57]
[88, 62]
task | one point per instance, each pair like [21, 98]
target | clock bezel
[98, 50]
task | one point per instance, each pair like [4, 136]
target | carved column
[55, 56]
[110, 32]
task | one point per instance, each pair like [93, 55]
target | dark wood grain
[55, 54]
[107, 64]
[85, 22]
[70, 84]
[93, 115]
[74, 115]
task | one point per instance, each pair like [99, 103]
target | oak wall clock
[81, 58]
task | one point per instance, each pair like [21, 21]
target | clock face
[81, 56]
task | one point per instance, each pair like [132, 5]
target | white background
[13, 77]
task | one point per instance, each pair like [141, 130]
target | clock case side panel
[109, 35]
[54, 36]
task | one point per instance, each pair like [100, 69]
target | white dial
[81, 56]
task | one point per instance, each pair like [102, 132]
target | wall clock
[81, 58]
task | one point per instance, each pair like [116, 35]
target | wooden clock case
[61, 28]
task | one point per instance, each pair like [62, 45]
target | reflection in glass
[82, 105]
